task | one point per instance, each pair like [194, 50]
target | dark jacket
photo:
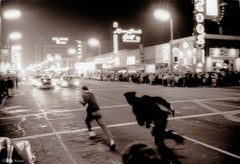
[146, 108]
[89, 98]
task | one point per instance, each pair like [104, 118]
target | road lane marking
[215, 112]
[115, 106]
[228, 116]
[122, 125]
[221, 104]
[73, 161]
[212, 147]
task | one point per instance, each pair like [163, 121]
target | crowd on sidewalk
[7, 85]
[208, 79]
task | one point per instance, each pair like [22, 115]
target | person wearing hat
[93, 113]
[148, 113]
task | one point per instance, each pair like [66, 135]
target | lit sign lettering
[199, 27]
[131, 38]
[199, 17]
[130, 35]
[60, 40]
[130, 31]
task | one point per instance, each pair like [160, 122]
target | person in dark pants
[148, 112]
[93, 113]
[9, 84]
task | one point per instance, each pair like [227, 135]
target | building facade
[221, 52]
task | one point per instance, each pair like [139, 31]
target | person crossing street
[94, 113]
[148, 113]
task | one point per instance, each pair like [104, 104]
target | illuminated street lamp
[13, 36]
[9, 14]
[95, 42]
[164, 15]
[12, 14]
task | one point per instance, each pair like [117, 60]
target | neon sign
[130, 35]
[60, 40]
[199, 27]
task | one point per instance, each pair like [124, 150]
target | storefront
[221, 52]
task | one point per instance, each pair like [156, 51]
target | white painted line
[111, 107]
[221, 104]
[121, 125]
[215, 112]
[73, 161]
[212, 147]
[228, 116]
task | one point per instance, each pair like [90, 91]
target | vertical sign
[199, 23]
[115, 38]
[199, 33]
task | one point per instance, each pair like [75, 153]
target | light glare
[12, 14]
[162, 15]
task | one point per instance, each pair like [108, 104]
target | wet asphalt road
[53, 122]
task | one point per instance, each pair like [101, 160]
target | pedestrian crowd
[189, 79]
[7, 85]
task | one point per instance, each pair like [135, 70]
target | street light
[164, 15]
[9, 14]
[13, 36]
[12, 14]
[95, 42]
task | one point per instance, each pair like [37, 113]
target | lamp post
[9, 15]
[164, 15]
[95, 42]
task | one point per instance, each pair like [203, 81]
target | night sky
[83, 19]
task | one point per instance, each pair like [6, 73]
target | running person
[148, 112]
[93, 113]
